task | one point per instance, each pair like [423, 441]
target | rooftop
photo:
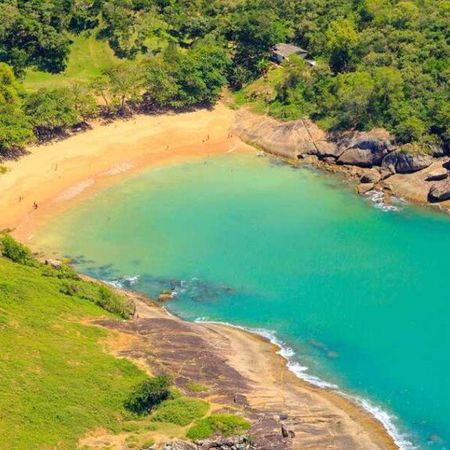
[287, 50]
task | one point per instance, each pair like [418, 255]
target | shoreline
[275, 388]
[57, 175]
[301, 372]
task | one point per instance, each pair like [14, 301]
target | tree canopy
[378, 63]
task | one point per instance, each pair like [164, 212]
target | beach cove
[105, 163]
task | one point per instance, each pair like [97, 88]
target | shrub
[181, 411]
[112, 302]
[149, 394]
[16, 252]
[70, 289]
[218, 424]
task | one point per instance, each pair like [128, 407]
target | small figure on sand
[35, 205]
[20, 198]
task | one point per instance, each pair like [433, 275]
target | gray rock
[179, 445]
[403, 162]
[439, 192]
[371, 176]
[364, 187]
[328, 149]
[365, 149]
[309, 159]
[385, 172]
[54, 263]
[361, 157]
[241, 400]
[438, 174]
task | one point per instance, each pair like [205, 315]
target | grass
[57, 382]
[181, 411]
[218, 424]
[196, 387]
[88, 56]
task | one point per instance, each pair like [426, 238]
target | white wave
[386, 419]
[75, 190]
[377, 200]
[123, 282]
[120, 168]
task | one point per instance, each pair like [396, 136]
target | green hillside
[88, 56]
[57, 381]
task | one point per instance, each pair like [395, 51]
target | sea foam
[301, 371]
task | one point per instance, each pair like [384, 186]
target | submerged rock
[165, 296]
[403, 162]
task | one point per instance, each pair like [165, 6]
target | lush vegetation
[379, 63]
[58, 383]
[218, 424]
[148, 394]
[181, 411]
[57, 380]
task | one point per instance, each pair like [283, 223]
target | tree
[189, 78]
[353, 93]
[119, 84]
[52, 110]
[254, 30]
[342, 43]
[387, 93]
[34, 32]
[15, 128]
[148, 394]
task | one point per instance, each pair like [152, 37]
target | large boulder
[439, 192]
[365, 149]
[287, 139]
[404, 162]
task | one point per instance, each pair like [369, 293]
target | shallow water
[358, 293]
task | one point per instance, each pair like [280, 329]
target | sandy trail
[54, 176]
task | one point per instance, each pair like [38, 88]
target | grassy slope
[87, 58]
[57, 382]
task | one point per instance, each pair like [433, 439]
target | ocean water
[358, 295]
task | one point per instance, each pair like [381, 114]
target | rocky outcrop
[439, 191]
[364, 149]
[438, 174]
[364, 187]
[218, 443]
[371, 176]
[287, 139]
[403, 162]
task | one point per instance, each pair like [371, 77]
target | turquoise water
[361, 295]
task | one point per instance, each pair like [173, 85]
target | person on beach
[35, 205]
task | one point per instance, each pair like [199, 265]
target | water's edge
[301, 372]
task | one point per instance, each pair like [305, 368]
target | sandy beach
[55, 176]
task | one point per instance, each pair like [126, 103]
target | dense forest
[378, 63]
